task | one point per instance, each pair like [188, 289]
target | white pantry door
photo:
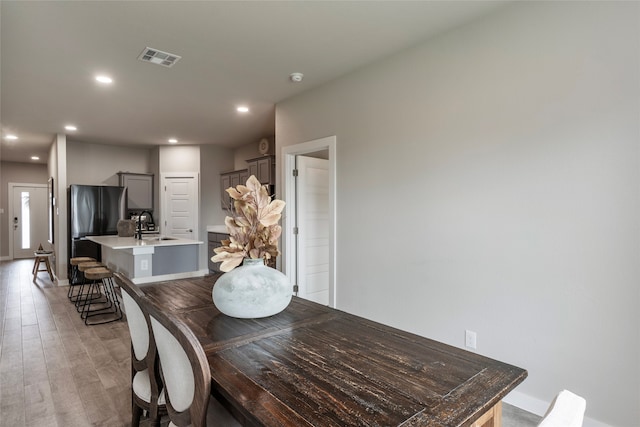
[29, 219]
[312, 187]
[180, 205]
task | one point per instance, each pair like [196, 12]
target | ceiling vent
[159, 57]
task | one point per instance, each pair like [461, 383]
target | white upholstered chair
[566, 410]
[186, 375]
[146, 383]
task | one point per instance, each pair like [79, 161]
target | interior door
[312, 187]
[29, 219]
[180, 206]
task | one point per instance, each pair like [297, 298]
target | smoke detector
[296, 77]
[158, 57]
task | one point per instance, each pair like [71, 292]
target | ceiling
[233, 53]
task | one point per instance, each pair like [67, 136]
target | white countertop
[115, 242]
[217, 229]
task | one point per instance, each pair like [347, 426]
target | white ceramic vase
[252, 291]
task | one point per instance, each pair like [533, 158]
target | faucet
[140, 222]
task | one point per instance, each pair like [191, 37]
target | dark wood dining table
[312, 365]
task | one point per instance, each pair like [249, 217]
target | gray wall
[29, 173]
[214, 160]
[488, 180]
[249, 151]
[98, 164]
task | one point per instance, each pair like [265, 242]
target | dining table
[313, 365]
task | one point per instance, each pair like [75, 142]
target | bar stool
[80, 299]
[97, 277]
[74, 279]
[42, 257]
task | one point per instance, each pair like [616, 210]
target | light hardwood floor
[55, 371]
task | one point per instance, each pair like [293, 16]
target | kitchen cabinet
[231, 179]
[263, 168]
[139, 190]
[215, 241]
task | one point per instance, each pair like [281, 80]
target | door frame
[289, 258]
[10, 188]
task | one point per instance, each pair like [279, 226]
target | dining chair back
[146, 382]
[566, 410]
[186, 375]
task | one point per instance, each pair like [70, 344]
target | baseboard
[539, 407]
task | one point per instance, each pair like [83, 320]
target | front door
[180, 206]
[29, 218]
[312, 188]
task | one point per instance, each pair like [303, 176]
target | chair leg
[136, 412]
[48, 265]
[154, 418]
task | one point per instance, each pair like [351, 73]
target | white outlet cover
[470, 339]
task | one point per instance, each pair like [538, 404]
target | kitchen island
[152, 258]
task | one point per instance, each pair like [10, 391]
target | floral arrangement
[253, 228]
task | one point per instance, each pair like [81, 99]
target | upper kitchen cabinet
[139, 190]
[231, 179]
[263, 168]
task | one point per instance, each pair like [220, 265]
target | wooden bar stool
[75, 279]
[101, 277]
[42, 258]
[81, 297]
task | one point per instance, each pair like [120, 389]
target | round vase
[252, 291]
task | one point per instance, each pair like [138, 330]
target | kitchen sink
[159, 238]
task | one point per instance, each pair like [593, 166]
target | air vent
[159, 57]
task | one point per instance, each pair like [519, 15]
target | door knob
[190, 230]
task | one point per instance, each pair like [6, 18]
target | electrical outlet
[470, 339]
[144, 265]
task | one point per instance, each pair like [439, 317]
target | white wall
[489, 180]
[57, 166]
[179, 158]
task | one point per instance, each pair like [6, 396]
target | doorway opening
[309, 223]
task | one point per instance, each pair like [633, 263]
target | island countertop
[116, 242]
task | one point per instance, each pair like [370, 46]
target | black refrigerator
[93, 211]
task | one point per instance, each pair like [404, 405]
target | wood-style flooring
[55, 371]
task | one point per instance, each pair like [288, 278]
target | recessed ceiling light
[70, 127]
[10, 137]
[242, 109]
[35, 158]
[173, 141]
[104, 79]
